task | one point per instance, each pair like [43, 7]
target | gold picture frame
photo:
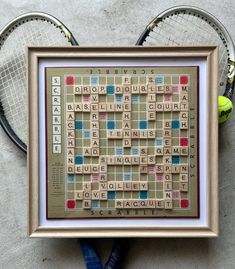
[204, 226]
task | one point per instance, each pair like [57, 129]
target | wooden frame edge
[34, 229]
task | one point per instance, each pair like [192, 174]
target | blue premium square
[135, 99]
[70, 178]
[127, 176]
[143, 124]
[176, 124]
[175, 159]
[119, 151]
[111, 124]
[94, 80]
[118, 98]
[79, 159]
[78, 124]
[143, 194]
[111, 195]
[135, 150]
[86, 134]
[159, 142]
[110, 89]
[159, 80]
[95, 204]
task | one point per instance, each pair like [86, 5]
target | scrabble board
[122, 142]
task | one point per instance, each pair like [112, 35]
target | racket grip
[229, 90]
[118, 255]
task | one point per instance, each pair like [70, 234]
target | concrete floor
[106, 22]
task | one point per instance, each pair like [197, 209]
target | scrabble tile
[103, 168]
[102, 107]
[78, 169]
[183, 186]
[95, 169]
[183, 177]
[143, 89]
[86, 204]
[70, 125]
[159, 151]
[126, 89]
[95, 195]
[167, 107]
[119, 186]
[86, 89]
[151, 98]
[126, 115]
[70, 169]
[86, 169]
[167, 195]
[78, 107]
[167, 159]
[167, 124]
[127, 186]
[151, 116]
[135, 160]
[111, 186]
[103, 177]
[160, 89]
[143, 159]
[184, 151]
[118, 89]
[70, 142]
[167, 142]
[86, 107]
[126, 125]
[151, 159]
[126, 80]
[118, 107]
[118, 203]
[135, 134]
[87, 186]
[127, 134]
[167, 133]
[143, 185]
[151, 107]
[175, 106]
[77, 89]
[95, 151]
[184, 97]
[70, 160]
[167, 168]
[159, 107]
[103, 195]
[70, 107]
[102, 89]
[103, 186]
[168, 89]
[150, 80]
[135, 89]
[168, 204]
[184, 106]
[70, 134]
[127, 107]
[184, 116]
[175, 169]
[78, 195]
[94, 107]
[167, 177]
[159, 168]
[126, 143]
[110, 107]
[70, 152]
[184, 125]
[168, 185]
[143, 169]
[135, 186]
[86, 151]
[184, 168]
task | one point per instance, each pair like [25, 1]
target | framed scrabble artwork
[123, 142]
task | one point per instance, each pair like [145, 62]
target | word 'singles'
[122, 142]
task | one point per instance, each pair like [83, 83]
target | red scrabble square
[69, 80]
[70, 204]
[183, 79]
[184, 203]
[184, 141]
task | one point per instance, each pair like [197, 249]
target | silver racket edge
[30, 29]
[194, 26]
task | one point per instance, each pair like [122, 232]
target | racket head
[30, 29]
[189, 25]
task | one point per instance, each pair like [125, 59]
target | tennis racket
[31, 29]
[186, 25]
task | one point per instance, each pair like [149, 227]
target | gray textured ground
[111, 23]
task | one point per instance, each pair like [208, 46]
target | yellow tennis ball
[225, 108]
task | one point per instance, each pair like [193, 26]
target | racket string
[191, 30]
[13, 68]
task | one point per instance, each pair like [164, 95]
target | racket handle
[90, 256]
[118, 255]
[229, 90]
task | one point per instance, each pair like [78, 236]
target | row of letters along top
[134, 89]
